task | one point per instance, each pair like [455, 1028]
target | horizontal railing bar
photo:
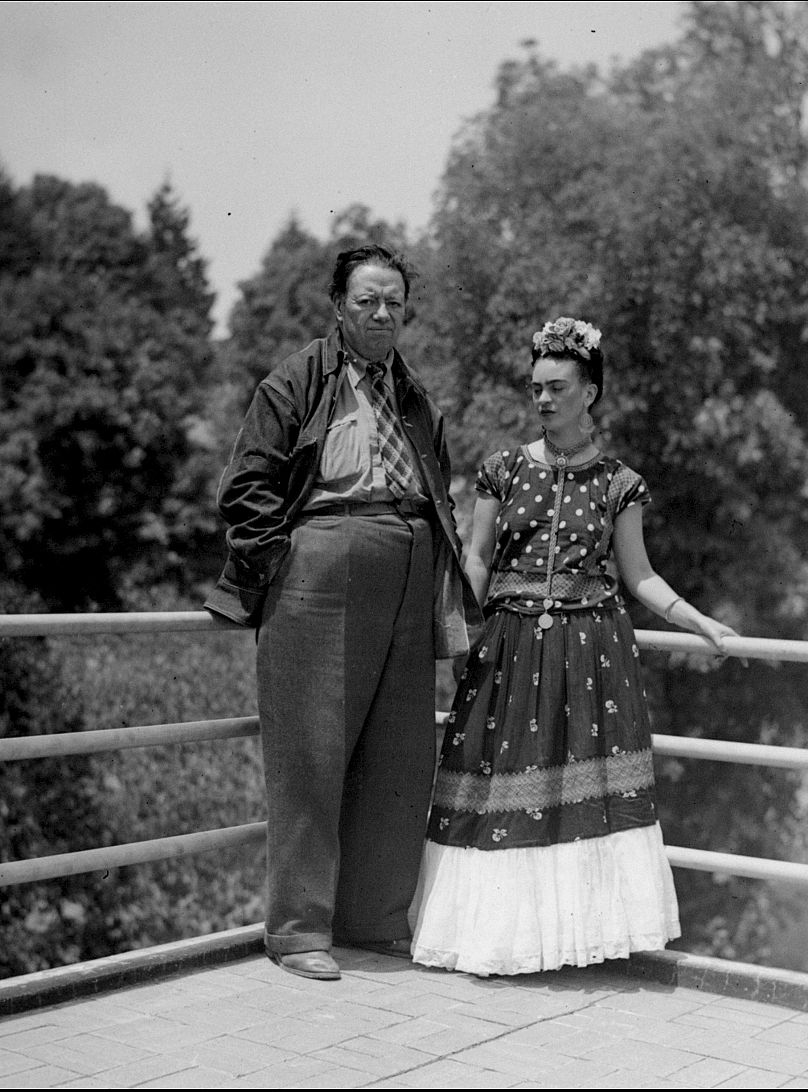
[725, 750]
[185, 845]
[45, 625]
[733, 864]
[150, 621]
[751, 648]
[21, 748]
[132, 853]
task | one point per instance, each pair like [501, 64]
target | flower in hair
[566, 335]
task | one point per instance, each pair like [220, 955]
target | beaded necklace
[562, 455]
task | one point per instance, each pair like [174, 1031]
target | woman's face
[559, 394]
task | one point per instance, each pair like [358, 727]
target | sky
[257, 111]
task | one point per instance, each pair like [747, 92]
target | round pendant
[545, 621]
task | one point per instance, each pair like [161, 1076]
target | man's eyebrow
[388, 293]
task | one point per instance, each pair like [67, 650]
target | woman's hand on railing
[716, 632]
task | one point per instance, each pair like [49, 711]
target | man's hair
[372, 254]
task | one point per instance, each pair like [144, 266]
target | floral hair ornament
[566, 335]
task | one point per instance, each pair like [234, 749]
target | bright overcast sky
[257, 110]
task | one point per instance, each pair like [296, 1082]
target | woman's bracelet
[670, 607]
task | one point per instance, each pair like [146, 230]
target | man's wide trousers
[346, 696]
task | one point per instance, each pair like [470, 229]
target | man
[343, 549]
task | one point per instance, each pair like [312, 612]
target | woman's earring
[585, 422]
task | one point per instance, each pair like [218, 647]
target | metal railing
[200, 622]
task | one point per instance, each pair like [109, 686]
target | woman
[543, 844]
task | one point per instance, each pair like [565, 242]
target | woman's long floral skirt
[543, 846]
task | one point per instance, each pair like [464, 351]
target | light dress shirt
[351, 467]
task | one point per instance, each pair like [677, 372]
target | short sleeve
[492, 477]
[629, 488]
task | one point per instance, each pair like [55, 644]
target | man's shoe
[319, 964]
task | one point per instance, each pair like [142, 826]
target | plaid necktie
[392, 449]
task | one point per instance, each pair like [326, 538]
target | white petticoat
[516, 911]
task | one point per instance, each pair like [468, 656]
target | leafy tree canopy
[103, 347]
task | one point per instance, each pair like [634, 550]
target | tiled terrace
[389, 1024]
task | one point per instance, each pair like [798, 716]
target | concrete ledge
[33, 991]
[721, 976]
[750, 981]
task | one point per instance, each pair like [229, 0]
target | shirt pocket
[345, 458]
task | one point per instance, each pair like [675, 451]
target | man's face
[372, 312]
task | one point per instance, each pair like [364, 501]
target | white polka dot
[539, 560]
[505, 526]
[544, 538]
[590, 527]
[583, 551]
[499, 519]
[513, 563]
[534, 523]
[573, 537]
[583, 488]
[595, 481]
[563, 523]
[516, 536]
[558, 549]
[528, 549]
[520, 511]
[516, 479]
[579, 511]
[567, 499]
[591, 504]
[538, 500]
[505, 454]
[526, 485]
[550, 512]
[543, 474]
[555, 487]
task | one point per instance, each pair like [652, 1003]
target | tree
[282, 307]
[175, 276]
[103, 347]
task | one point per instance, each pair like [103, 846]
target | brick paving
[389, 1024]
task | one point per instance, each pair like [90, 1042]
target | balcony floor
[389, 1024]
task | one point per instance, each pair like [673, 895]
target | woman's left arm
[650, 589]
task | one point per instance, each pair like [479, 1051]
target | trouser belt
[405, 507]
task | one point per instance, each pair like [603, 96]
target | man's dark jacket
[273, 468]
